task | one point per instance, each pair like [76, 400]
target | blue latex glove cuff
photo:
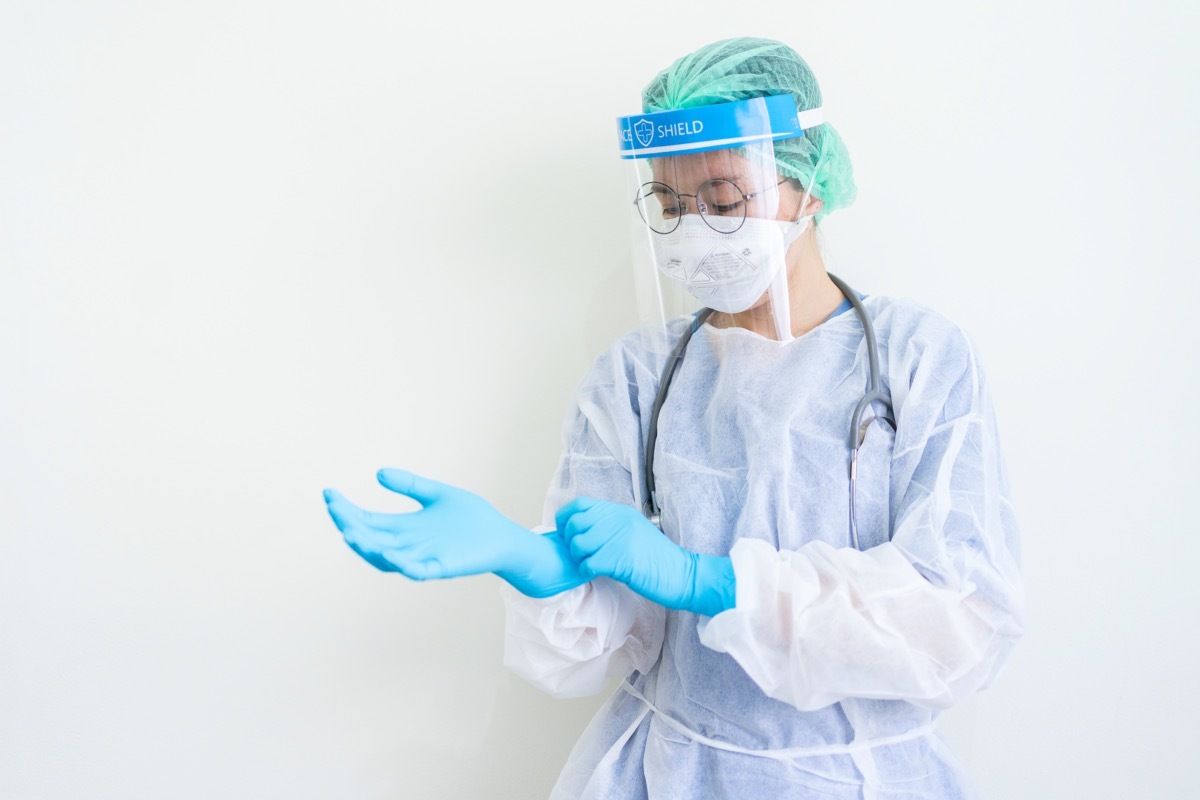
[715, 586]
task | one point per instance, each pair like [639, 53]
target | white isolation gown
[825, 679]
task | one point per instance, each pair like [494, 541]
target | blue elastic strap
[714, 127]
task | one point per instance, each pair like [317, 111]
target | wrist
[540, 565]
[520, 554]
[714, 587]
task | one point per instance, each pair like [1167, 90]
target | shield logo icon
[644, 130]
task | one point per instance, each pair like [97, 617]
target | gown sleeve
[928, 617]
[572, 644]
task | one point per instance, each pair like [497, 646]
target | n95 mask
[727, 272]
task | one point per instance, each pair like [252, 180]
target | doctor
[835, 558]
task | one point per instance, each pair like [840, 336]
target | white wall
[252, 249]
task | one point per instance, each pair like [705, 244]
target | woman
[796, 630]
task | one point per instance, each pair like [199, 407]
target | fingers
[423, 490]
[405, 543]
[583, 513]
[340, 509]
[346, 514]
[585, 569]
[382, 540]
[602, 537]
[588, 543]
[587, 525]
[576, 506]
[594, 558]
[599, 566]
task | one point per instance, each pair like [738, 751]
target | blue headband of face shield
[715, 127]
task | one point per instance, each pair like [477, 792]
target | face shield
[712, 218]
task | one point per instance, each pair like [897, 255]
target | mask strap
[795, 231]
[781, 305]
[781, 301]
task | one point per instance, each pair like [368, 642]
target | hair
[743, 68]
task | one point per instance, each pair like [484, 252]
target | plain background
[252, 249]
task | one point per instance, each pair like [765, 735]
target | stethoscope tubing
[875, 393]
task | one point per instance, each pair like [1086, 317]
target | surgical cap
[739, 69]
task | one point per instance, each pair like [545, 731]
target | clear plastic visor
[710, 230]
[721, 187]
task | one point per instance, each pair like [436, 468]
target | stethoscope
[858, 426]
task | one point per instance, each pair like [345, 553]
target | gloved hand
[456, 533]
[615, 540]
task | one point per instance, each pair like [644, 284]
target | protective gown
[826, 678]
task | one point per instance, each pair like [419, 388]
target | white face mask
[727, 272]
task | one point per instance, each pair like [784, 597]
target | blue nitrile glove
[615, 540]
[456, 533]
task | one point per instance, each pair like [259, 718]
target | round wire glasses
[719, 202]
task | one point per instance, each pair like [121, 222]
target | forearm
[539, 565]
[819, 624]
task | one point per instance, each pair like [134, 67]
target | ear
[812, 207]
[806, 205]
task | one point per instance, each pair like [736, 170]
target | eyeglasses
[720, 203]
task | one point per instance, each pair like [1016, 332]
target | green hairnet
[738, 69]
